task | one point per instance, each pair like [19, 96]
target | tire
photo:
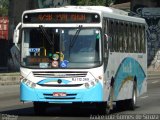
[108, 110]
[103, 108]
[121, 105]
[131, 103]
[39, 108]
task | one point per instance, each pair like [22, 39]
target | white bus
[82, 54]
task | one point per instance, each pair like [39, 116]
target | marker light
[96, 80]
[86, 85]
[100, 77]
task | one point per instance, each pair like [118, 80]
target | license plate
[59, 94]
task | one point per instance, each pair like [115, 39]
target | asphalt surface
[147, 105]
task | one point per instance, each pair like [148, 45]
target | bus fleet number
[80, 79]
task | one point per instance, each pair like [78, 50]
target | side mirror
[16, 34]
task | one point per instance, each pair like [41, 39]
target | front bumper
[93, 94]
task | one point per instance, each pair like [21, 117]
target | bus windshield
[60, 47]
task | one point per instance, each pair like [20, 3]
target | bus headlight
[96, 80]
[29, 83]
[33, 85]
[24, 80]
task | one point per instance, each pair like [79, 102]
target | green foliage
[94, 2]
[91, 2]
[109, 2]
[4, 4]
[3, 12]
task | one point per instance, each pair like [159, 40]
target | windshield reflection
[61, 48]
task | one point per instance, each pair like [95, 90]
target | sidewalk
[14, 77]
[153, 75]
[9, 78]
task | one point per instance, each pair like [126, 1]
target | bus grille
[59, 74]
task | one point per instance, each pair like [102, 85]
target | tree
[110, 2]
[4, 4]
[94, 2]
[91, 2]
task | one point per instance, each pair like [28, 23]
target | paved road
[11, 108]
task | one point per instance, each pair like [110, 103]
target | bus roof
[103, 11]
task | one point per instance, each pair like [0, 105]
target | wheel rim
[134, 97]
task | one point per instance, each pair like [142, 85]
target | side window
[138, 39]
[143, 39]
[130, 38]
[128, 33]
[121, 37]
[104, 25]
[104, 29]
[111, 34]
[136, 31]
[134, 38]
[114, 31]
[125, 37]
[116, 36]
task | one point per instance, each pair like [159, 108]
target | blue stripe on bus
[93, 94]
[53, 80]
[128, 69]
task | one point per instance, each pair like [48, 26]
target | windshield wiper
[46, 35]
[74, 38]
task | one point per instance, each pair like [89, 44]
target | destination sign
[62, 17]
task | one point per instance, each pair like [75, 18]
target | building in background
[123, 6]
[4, 28]
[3, 42]
[52, 3]
[150, 10]
[16, 8]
